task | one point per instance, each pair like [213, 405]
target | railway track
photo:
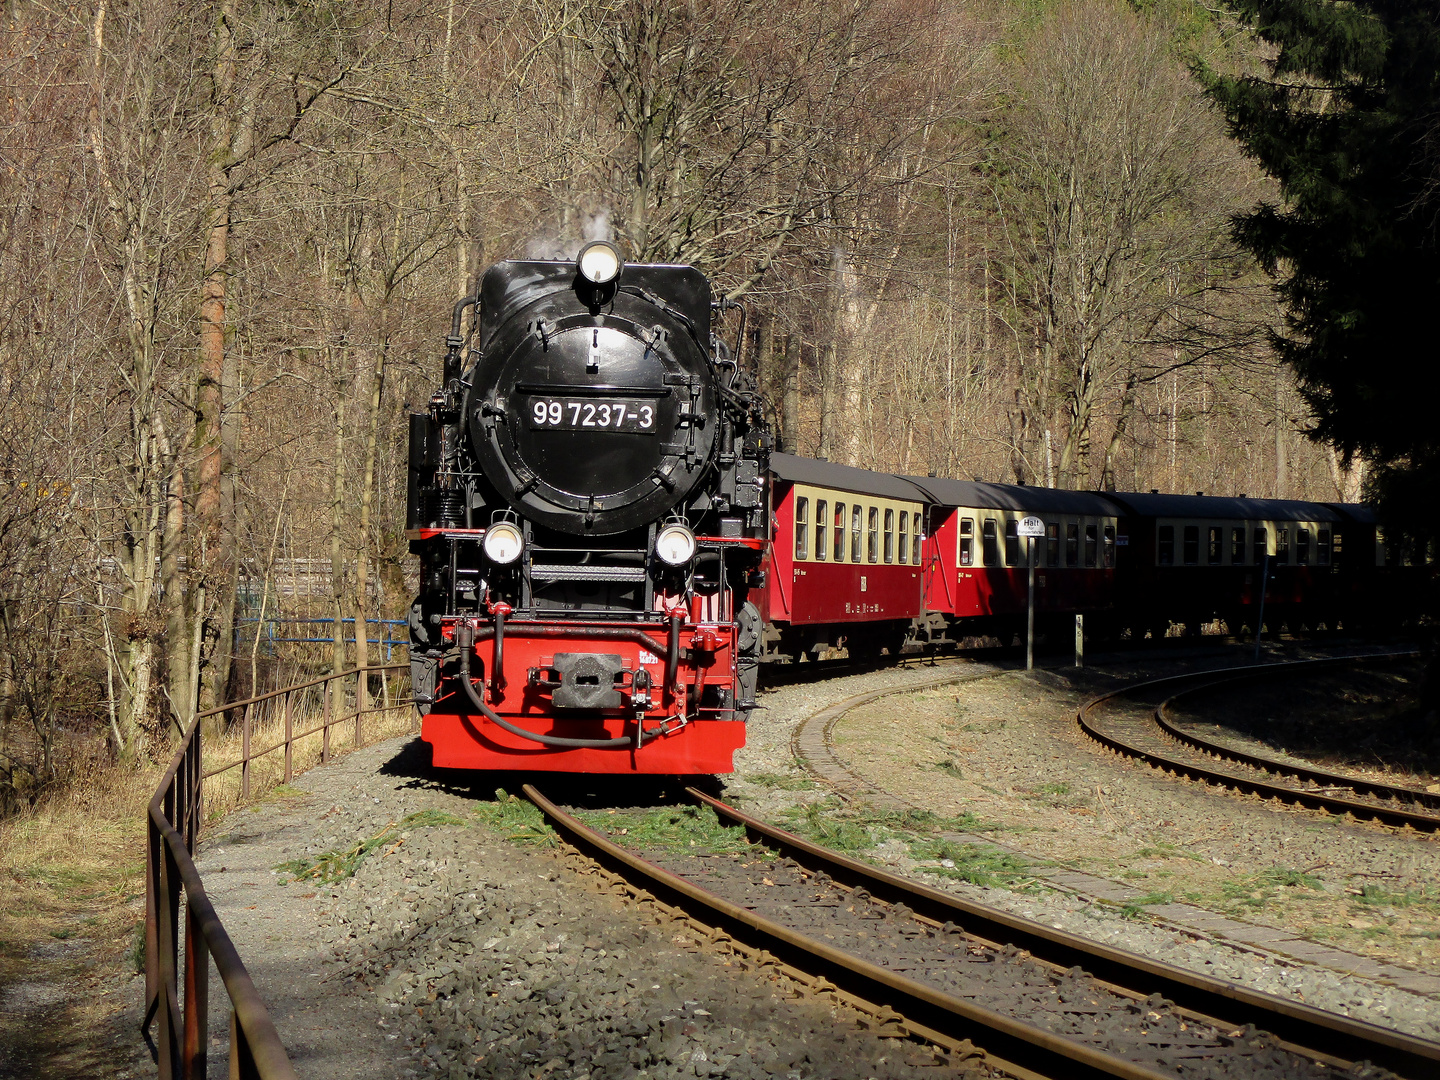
[1156, 739]
[1037, 1001]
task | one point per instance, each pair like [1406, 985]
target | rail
[1397, 816]
[925, 1009]
[174, 820]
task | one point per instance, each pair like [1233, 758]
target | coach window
[1237, 546]
[1092, 544]
[1109, 548]
[989, 542]
[839, 532]
[904, 536]
[1302, 545]
[1216, 546]
[1260, 545]
[1012, 543]
[822, 508]
[802, 528]
[1052, 543]
[1165, 546]
[1192, 545]
[1072, 543]
[1322, 548]
[857, 522]
[874, 550]
[967, 541]
[915, 543]
[1282, 545]
[889, 535]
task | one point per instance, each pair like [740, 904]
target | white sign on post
[1031, 526]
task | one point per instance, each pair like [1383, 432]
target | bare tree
[1116, 182]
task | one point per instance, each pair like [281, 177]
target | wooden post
[167, 1038]
[289, 733]
[242, 1061]
[359, 709]
[1079, 640]
[325, 723]
[245, 754]
[197, 1000]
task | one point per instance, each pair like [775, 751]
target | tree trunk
[367, 501]
[213, 573]
[1122, 419]
[790, 400]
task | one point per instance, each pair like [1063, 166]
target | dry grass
[223, 792]
[73, 873]
[72, 879]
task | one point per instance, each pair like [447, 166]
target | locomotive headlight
[599, 262]
[503, 543]
[675, 545]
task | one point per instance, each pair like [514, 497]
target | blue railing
[271, 633]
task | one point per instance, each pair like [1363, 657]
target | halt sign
[1031, 526]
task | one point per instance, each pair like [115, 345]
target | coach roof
[1227, 509]
[800, 470]
[1016, 497]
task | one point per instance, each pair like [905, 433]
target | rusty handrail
[173, 829]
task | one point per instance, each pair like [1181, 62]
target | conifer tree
[1347, 119]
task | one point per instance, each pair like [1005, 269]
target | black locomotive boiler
[588, 500]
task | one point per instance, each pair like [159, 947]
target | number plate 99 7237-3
[558, 414]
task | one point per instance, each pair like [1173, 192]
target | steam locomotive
[588, 501]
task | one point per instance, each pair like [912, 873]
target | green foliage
[1345, 120]
[135, 954]
[845, 828]
[1168, 851]
[979, 864]
[672, 828]
[1376, 895]
[819, 822]
[1133, 909]
[1256, 890]
[429, 819]
[338, 864]
[1290, 879]
[781, 781]
[519, 819]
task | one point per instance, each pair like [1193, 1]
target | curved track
[961, 974]
[1154, 738]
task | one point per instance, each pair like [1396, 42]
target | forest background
[988, 239]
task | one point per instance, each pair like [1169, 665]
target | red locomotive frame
[664, 668]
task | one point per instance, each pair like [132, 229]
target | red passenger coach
[977, 573]
[1194, 559]
[844, 565]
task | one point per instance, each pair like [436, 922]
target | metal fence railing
[175, 813]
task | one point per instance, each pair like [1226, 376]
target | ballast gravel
[454, 952]
[769, 754]
[491, 961]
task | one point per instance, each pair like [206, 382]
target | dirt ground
[1008, 752]
[1364, 721]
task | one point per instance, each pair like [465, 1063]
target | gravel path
[1004, 751]
[454, 952]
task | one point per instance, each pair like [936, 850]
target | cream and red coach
[976, 568]
[844, 567]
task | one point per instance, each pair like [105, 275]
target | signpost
[1031, 528]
